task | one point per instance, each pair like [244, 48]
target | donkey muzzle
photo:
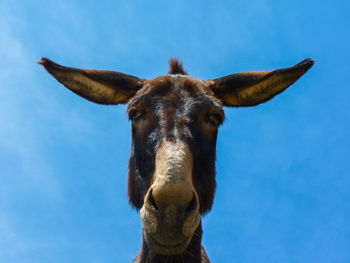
[170, 213]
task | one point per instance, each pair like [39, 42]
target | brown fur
[176, 67]
[178, 108]
[164, 95]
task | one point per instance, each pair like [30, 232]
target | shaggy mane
[176, 67]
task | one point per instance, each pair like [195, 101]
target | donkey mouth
[168, 235]
[166, 247]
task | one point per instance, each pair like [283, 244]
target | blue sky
[283, 167]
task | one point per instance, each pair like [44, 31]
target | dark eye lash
[219, 118]
[215, 119]
[135, 115]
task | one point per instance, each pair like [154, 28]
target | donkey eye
[214, 119]
[136, 115]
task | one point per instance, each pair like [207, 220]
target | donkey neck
[194, 253]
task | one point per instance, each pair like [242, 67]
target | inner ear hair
[99, 86]
[253, 88]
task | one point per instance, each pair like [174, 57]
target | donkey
[175, 120]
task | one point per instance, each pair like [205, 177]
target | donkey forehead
[175, 90]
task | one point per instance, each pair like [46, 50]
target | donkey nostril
[152, 201]
[191, 206]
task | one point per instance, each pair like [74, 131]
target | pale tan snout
[170, 213]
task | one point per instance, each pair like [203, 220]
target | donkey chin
[170, 231]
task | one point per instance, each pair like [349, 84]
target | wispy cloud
[27, 114]
[20, 130]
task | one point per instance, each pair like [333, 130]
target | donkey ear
[99, 86]
[253, 88]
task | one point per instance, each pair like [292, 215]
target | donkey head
[175, 120]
